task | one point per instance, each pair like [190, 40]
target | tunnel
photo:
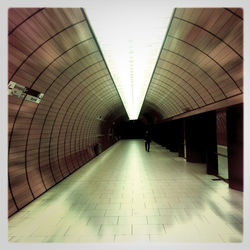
[65, 111]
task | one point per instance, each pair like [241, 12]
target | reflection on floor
[127, 194]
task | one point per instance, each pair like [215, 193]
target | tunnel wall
[54, 52]
[200, 63]
[44, 150]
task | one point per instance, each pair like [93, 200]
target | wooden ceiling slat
[205, 44]
[59, 21]
[19, 44]
[17, 17]
[179, 12]
[34, 31]
[239, 12]
[172, 91]
[180, 85]
[205, 19]
[191, 14]
[229, 89]
[11, 25]
[225, 32]
[176, 102]
[237, 73]
[236, 38]
[200, 26]
[196, 71]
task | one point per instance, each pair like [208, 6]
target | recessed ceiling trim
[227, 102]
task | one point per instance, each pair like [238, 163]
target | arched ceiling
[200, 65]
[53, 51]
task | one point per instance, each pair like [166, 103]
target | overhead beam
[214, 106]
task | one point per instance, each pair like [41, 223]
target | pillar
[235, 146]
[201, 143]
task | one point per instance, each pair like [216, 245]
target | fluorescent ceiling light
[130, 35]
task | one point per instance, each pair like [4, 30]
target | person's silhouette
[147, 141]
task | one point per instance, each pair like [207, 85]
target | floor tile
[98, 212]
[81, 230]
[132, 238]
[128, 195]
[148, 229]
[115, 229]
[112, 220]
[109, 206]
[145, 212]
[232, 238]
[135, 220]
[119, 212]
[164, 219]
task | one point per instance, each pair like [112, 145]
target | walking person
[147, 141]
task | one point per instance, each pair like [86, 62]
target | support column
[211, 142]
[173, 136]
[235, 146]
[201, 144]
[181, 138]
[221, 130]
[195, 147]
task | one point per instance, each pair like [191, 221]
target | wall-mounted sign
[31, 98]
[20, 91]
[16, 90]
[40, 96]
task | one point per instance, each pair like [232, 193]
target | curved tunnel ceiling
[200, 63]
[54, 52]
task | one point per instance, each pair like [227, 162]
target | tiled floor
[129, 195]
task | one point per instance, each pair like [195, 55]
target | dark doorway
[134, 129]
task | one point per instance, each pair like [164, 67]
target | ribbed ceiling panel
[201, 61]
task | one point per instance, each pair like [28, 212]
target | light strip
[130, 35]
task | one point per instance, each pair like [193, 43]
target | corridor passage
[129, 195]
